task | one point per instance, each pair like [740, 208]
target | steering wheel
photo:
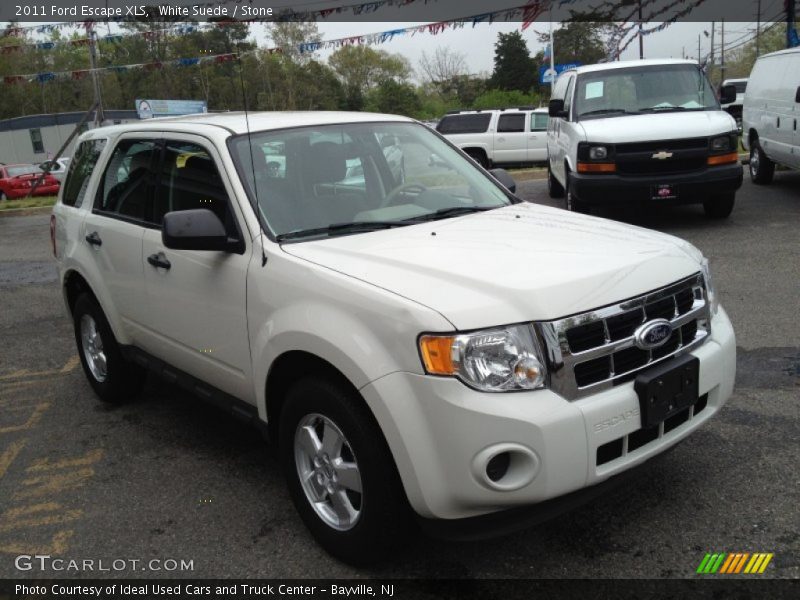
[408, 187]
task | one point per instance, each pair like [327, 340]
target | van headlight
[500, 359]
[711, 293]
[598, 153]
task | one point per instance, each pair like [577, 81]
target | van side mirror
[727, 94]
[505, 179]
[197, 229]
[797, 95]
[556, 108]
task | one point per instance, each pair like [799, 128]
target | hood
[518, 263]
[663, 126]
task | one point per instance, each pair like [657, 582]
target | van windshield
[643, 90]
[321, 181]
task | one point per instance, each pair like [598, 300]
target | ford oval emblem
[652, 334]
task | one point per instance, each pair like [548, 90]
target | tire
[360, 528]
[554, 188]
[762, 169]
[112, 378]
[571, 203]
[480, 157]
[719, 207]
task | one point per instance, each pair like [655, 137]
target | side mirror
[727, 94]
[556, 108]
[797, 95]
[198, 229]
[505, 179]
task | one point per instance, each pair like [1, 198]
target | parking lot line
[9, 454]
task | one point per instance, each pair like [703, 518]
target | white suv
[432, 343]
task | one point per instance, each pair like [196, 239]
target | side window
[80, 170]
[188, 180]
[568, 95]
[512, 123]
[36, 141]
[470, 123]
[127, 180]
[539, 121]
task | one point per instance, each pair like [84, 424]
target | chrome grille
[595, 350]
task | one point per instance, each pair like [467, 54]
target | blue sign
[546, 74]
[148, 109]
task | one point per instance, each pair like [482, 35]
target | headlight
[493, 360]
[721, 143]
[710, 291]
[598, 153]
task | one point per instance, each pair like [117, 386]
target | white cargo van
[646, 132]
[771, 113]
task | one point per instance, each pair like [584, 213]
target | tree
[290, 35]
[360, 69]
[579, 41]
[442, 68]
[395, 98]
[514, 69]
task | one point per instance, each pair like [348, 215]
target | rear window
[477, 123]
[79, 171]
[539, 121]
[511, 123]
[22, 170]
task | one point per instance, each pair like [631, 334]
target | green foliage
[514, 69]
[505, 99]
[361, 68]
[395, 98]
[739, 61]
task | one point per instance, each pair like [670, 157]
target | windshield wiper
[606, 111]
[671, 108]
[453, 211]
[354, 227]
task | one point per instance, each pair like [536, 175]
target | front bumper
[439, 429]
[692, 188]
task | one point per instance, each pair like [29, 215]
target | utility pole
[758, 30]
[699, 60]
[711, 62]
[641, 41]
[552, 57]
[98, 100]
[722, 54]
[791, 33]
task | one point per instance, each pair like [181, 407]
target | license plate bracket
[664, 191]
[667, 389]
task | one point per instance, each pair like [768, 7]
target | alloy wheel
[92, 346]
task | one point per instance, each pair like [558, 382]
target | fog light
[497, 468]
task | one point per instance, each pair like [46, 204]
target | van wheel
[480, 157]
[340, 473]
[571, 203]
[554, 188]
[112, 378]
[762, 168]
[719, 207]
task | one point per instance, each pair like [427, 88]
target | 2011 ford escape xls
[417, 342]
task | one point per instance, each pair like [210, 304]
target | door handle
[159, 260]
[94, 239]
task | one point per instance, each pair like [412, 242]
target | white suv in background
[500, 136]
[430, 346]
[646, 132]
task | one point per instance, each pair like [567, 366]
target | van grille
[596, 350]
[686, 156]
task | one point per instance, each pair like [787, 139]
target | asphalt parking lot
[168, 477]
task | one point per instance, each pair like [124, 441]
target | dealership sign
[548, 75]
[147, 109]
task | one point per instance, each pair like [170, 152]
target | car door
[197, 299]
[537, 137]
[560, 128]
[114, 228]
[792, 84]
[510, 143]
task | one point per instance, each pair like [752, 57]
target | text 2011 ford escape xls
[423, 340]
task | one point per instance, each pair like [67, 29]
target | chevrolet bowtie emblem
[663, 155]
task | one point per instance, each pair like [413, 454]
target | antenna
[256, 208]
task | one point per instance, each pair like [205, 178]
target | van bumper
[691, 188]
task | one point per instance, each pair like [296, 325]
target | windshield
[643, 90]
[313, 182]
[23, 170]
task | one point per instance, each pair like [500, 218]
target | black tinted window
[127, 181]
[741, 87]
[189, 179]
[80, 168]
[477, 123]
[511, 123]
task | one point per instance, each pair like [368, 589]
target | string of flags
[660, 27]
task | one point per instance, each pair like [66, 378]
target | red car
[16, 181]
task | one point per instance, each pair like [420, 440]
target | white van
[642, 132]
[771, 113]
